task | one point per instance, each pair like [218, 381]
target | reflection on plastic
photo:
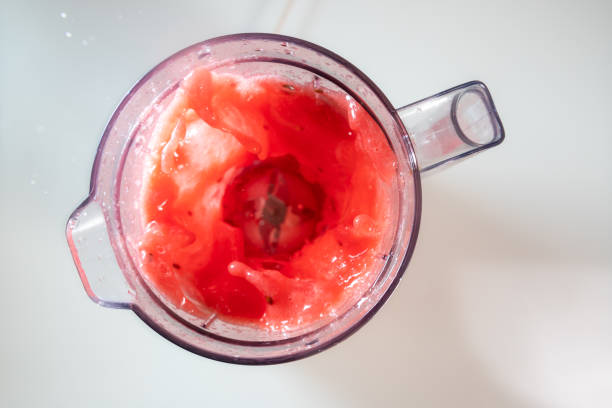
[94, 257]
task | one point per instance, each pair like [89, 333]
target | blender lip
[406, 256]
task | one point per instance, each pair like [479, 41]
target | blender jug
[103, 230]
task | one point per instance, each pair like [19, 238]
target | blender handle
[452, 125]
[94, 257]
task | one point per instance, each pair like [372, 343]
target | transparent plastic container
[102, 231]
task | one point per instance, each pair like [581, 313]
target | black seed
[272, 265]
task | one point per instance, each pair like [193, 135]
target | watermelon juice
[265, 201]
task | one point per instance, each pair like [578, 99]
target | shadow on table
[415, 351]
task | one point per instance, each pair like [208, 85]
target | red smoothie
[265, 202]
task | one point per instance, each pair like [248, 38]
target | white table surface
[508, 299]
